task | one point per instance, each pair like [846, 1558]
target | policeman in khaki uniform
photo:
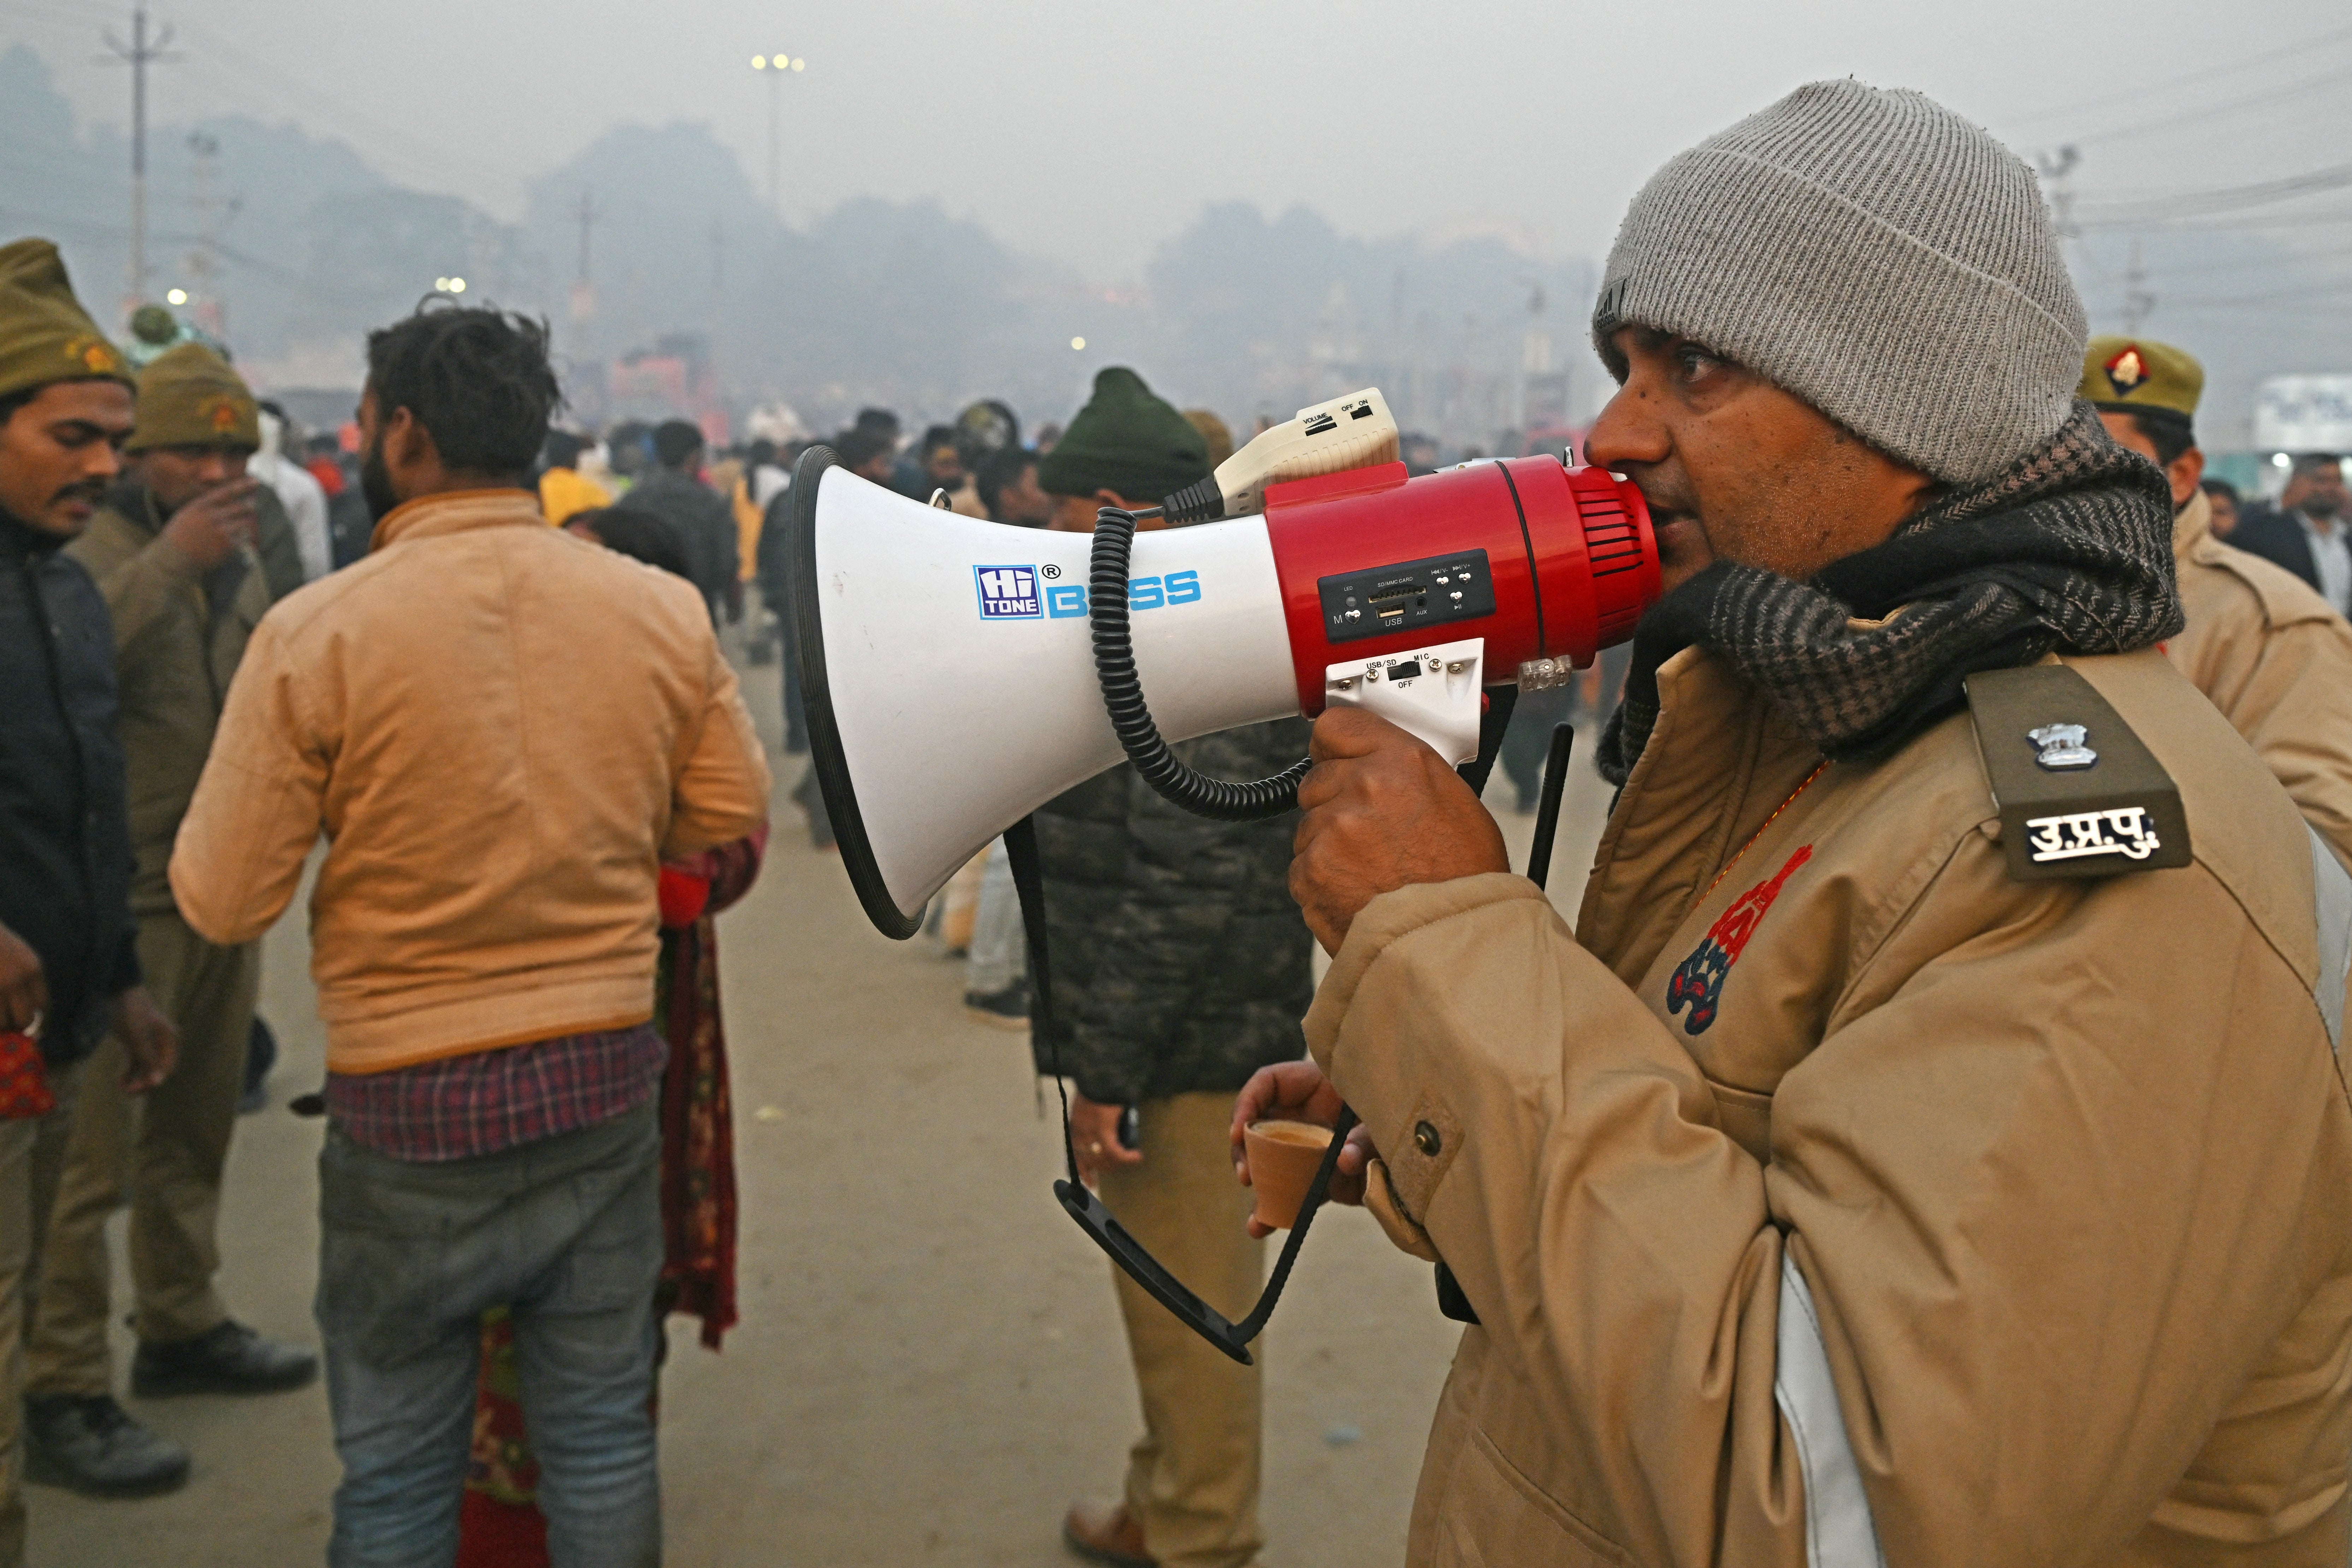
[1930, 1146]
[2272, 654]
[174, 552]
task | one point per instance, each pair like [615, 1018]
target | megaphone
[947, 664]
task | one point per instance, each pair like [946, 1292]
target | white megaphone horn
[948, 667]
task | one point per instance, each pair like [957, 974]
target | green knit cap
[45, 335]
[190, 397]
[1124, 440]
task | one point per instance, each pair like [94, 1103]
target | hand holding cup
[208, 528]
[1295, 1098]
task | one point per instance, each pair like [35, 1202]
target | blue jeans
[568, 1232]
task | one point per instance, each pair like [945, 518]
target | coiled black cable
[1219, 799]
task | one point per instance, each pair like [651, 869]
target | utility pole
[203, 266]
[2057, 179]
[1535, 352]
[139, 53]
[2138, 301]
[583, 291]
[590, 393]
[588, 214]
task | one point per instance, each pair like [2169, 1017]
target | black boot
[90, 1444]
[231, 1359]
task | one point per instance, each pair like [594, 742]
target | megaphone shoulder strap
[1029, 885]
[1084, 1206]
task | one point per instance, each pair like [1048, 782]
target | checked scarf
[2069, 549]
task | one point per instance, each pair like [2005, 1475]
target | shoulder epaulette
[2079, 793]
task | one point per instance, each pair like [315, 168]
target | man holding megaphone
[1878, 1173]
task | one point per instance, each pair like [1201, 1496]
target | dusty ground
[930, 1364]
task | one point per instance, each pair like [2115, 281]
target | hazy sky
[1085, 130]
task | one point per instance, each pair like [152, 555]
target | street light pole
[774, 66]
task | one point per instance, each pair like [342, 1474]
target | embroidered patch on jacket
[1697, 982]
[2127, 370]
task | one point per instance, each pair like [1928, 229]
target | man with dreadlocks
[1868, 1178]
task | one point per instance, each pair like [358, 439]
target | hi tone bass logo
[1697, 982]
[1007, 593]
[1010, 593]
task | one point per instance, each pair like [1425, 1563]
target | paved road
[930, 1364]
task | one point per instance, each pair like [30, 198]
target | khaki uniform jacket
[2276, 659]
[178, 634]
[1838, 1199]
[503, 730]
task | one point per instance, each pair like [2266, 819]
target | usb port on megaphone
[1391, 604]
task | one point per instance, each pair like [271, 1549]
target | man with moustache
[1893, 1165]
[2306, 532]
[172, 552]
[503, 730]
[2263, 648]
[69, 961]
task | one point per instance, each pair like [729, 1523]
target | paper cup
[1283, 1159]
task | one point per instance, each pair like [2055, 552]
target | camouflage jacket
[1179, 963]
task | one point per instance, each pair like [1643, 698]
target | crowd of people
[1993, 1207]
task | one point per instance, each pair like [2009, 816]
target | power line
[2117, 214]
[2264, 98]
[255, 85]
[2143, 91]
[2339, 288]
[421, 156]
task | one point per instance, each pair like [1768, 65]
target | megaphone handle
[1493, 721]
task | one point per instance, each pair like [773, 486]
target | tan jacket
[502, 730]
[2276, 659]
[178, 636]
[1977, 1222]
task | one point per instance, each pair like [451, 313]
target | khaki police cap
[45, 335]
[2140, 373]
[191, 396]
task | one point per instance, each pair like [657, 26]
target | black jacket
[2278, 538]
[704, 521]
[65, 827]
[1179, 963]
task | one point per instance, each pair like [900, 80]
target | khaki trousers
[1193, 1478]
[165, 1151]
[31, 1154]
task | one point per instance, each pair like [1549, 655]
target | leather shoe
[90, 1444]
[228, 1359]
[1105, 1533]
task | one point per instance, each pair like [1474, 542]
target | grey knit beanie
[1877, 255]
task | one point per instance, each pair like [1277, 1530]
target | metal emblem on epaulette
[2062, 746]
[2072, 812]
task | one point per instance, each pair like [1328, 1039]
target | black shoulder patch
[2080, 795]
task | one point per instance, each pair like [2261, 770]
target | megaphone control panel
[1408, 595]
